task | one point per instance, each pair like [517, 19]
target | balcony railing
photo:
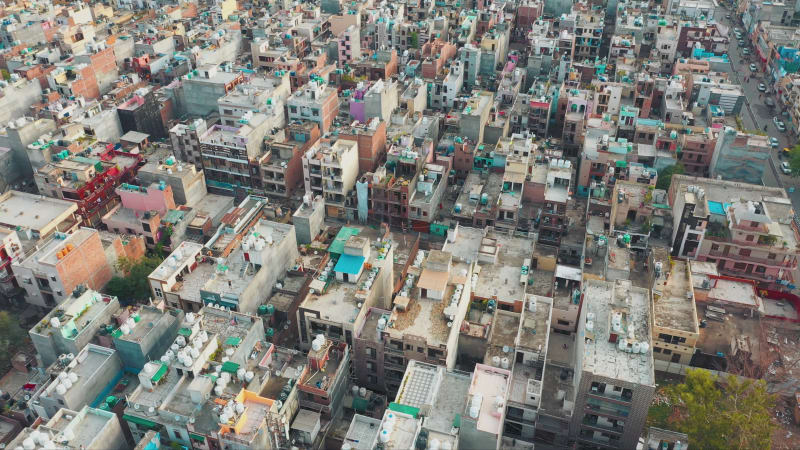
[598, 426]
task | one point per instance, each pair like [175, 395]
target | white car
[762, 87]
[779, 124]
[774, 142]
[785, 168]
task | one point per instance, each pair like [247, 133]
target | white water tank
[125, 329]
[28, 444]
[229, 351]
[496, 361]
[73, 377]
[384, 436]
[190, 318]
[66, 383]
[434, 444]
[354, 390]
[194, 352]
[505, 363]
[637, 347]
[62, 376]
[181, 341]
[315, 345]
[55, 323]
[474, 412]
[240, 373]
[590, 325]
[644, 347]
[239, 408]
[248, 376]
[61, 390]
[362, 392]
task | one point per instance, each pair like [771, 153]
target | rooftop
[75, 314]
[504, 278]
[48, 252]
[673, 299]
[20, 209]
[428, 318]
[619, 316]
[175, 262]
[363, 431]
[489, 383]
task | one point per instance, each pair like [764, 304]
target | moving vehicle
[773, 142]
[785, 168]
[762, 87]
[779, 124]
[753, 68]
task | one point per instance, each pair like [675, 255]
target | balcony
[781, 263]
[624, 400]
[595, 425]
[620, 412]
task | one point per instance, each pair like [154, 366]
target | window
[744, 252]
[761, 269]
[749, 238]
[53, 277]
[293, 109]
[146, 226]
[656, 349]
[158, 292]
[771, 256]
[563, 322]
[420, 350]
[667, 352]
[740, 266]
[714, 247]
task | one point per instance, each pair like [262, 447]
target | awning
[197, 437]
[349, 264]
[433, 280]
[141, 422]
[405, 409]
[568, 273]
[233, 341]
[230, 367]
[159, 373]
[185, 332]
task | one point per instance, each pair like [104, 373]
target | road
[756, 113]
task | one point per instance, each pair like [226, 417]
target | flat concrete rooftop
[672, 307]
[601, 353]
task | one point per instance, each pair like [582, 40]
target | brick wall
[86, 265]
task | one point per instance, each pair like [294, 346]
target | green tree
[11, 337]
[733, 415]
[132, 286]
[665, 175]
[794, 160]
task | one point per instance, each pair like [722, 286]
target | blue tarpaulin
[349, 264]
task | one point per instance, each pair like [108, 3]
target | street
[756, 114]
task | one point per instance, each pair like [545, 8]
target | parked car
[762, 87]
[779, 124]
[773, 142]
[769, 102]
[753, 68]
[785, 168]
[745, 52]
[741, 43]
[728, 16]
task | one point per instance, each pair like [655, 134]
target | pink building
[156, 197]
[349, 45]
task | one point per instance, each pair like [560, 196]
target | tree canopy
[133, 286]
[11, 337]
[665, 175]
[733, 414]
[794, 160]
